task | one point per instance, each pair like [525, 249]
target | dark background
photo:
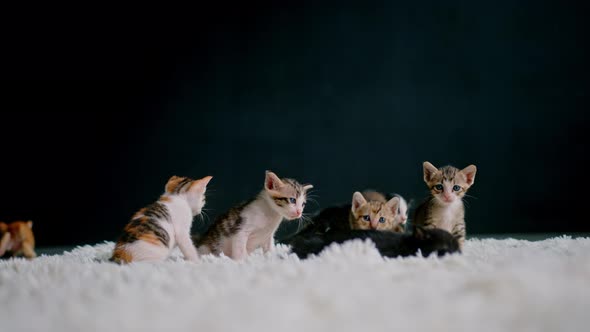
[101, 106]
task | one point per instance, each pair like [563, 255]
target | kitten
[370, 210]
[342, 218]
[158, 228]
[402, 210]
[444, 209]
[389, 244]
[253, 224]
[17, 239]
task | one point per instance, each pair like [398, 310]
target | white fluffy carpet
[496, 285]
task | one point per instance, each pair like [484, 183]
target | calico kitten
[444, 209]
[253, 224]
[389, 244]
[370, 210]
[158, 228]
[17, 239]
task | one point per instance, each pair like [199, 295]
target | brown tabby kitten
[16, 239]
[370, 210]
[253, 224]
[444, 209]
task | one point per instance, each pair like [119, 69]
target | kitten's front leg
[269, 244]
[28, 251]
[188, 249]
[238, 246]
[4, 243]
[459, 233]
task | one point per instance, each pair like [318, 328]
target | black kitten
[332, 218]
[389, 244]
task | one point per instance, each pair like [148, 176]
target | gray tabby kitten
[444, 209]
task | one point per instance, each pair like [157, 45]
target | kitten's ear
[272, 181]
[3, 226]
[469, 173]
[357, 200]
[306, 187]
[201, 184]
[30, 224]
[393, 205]
[429, 171]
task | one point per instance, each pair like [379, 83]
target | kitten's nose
[374, 224]
[299, 212]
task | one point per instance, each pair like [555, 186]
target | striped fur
[444, 209]
[370, 210]
[161, 226]
[17, 239]
[253, 224]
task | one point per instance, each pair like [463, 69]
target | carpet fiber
[496, 285]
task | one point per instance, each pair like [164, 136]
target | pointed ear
[30, 224]
[201, 184]
[357, 200]
[272, 181]
[306, 187]
[393, 205]
[469, 173]
[429, 171]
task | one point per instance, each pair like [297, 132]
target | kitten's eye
[366, 218]
[438, 187]
[456, 188]
[303, 204]
[292, 200]
[382, 220]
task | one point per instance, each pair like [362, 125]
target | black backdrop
[99, 110]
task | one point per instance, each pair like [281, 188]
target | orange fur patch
[150, 238]
[21, 235]
[121, 255]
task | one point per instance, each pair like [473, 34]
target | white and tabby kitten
[253, 224]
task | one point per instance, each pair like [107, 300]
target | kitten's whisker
[309, 199]
[203, 216]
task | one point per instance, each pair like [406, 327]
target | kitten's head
[373, 214]
[448, 184]
[14, 226]
[192, 190]
[434, 240]
[288, 197]
[402, 210]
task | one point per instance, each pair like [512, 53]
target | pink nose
[298, 212]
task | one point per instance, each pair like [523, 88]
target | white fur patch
[496, 285]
